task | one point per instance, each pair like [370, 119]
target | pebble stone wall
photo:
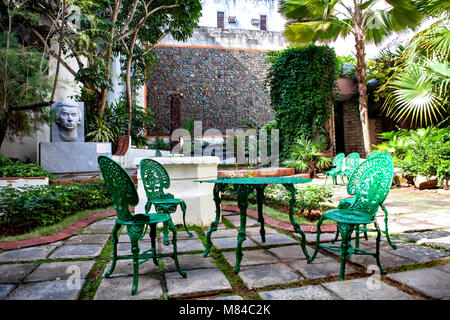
[220, 86]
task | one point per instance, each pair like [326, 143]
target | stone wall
[220, 86]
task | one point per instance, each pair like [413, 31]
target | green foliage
[115, 124]
[424, 151]
[305, 156]
[302, 83]
[346, 66]
[308, 198]
[27, 208]
[10, 168]
[418, 89]
[159, 144]
[26, 83]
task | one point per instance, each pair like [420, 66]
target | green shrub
[308, 198]
[302, 89]
[424, 151]
[10, 168]
[305, 156]
[30, 207]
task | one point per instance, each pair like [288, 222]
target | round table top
[259, 180]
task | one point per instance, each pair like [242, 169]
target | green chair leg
[377, 252]
[183, 208]
[386, 232]
[153, 242]
[114, 253]
[166, 234]
[346, 251]
[135, 252]
[175, 252]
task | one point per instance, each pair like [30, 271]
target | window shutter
[220, 20]
[263, 22]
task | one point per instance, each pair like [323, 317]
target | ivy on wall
[301, 80]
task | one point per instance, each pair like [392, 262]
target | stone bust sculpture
[68, 119]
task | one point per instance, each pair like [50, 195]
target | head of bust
[68, 118]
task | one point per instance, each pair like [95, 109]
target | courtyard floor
[73, 269]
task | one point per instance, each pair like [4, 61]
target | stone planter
[19, 182]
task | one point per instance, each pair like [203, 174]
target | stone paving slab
[320, 268]
[439, 238]
[29, 254]
[119, 288]
[188, 262]
[227, 243]
[255, 231]
[274, 239]
[15, 273]
[237, 222]
[124, 248]
[224, 233]
[76, 251]
[99, 227]
[125, 268]
[251, 257]
[88, 239]
[5, 289]
[397, 207]
[432, 282]
[420, 254]
[292, 253]
[60, 271]
[268, 274]
[183, 246]
[47, 290]
[445, 268]
[366, 289]
[302, 293]
[181, 235]
[197, 282]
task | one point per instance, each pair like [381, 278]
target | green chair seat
[348, 216]
[338, 163]
[168, 201]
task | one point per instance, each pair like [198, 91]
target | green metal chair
[351, 189]
[338, 163]
[123, 193]
[155, 179]
[351, 162]
[372, 189]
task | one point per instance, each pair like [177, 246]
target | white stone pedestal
[183, 171]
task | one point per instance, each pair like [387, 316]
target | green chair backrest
[352, 160]
[359, 171]
[377, 153]
[154, 178]
[120, 186]
[374, 184]
[338, 160]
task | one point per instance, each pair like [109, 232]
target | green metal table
[242, 188]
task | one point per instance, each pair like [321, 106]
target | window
[263, 22]
[220, 20]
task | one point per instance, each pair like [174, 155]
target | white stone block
[183, 172]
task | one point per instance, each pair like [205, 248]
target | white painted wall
[244, 11]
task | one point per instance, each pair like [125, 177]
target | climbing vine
[301, 80]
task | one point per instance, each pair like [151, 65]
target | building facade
[221, 69]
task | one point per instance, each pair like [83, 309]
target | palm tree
[365, 20]
[419, 90]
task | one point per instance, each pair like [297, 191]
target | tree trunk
[128, 94]
[362, 90]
